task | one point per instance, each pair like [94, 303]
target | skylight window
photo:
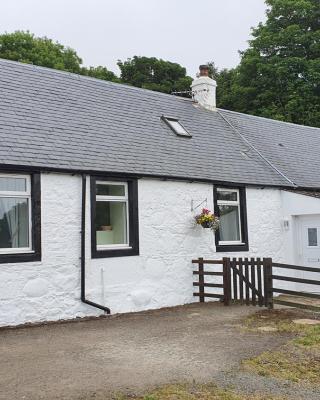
[176, 126]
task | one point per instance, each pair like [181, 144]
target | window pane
[312, 237]
[110, 190]
[8, 184]
[227, 196]
[178, 128]
[14, 223]
[111, 222]
[229, 223]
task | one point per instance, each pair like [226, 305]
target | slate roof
[293, 149]
[57, 120]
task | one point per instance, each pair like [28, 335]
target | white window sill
[231, 243]
[120, 247]
[16, 251]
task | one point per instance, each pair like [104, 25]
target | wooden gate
[245, 281]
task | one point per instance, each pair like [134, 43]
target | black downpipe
[83, 251]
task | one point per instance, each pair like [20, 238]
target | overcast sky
[190, 32]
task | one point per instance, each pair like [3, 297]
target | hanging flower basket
[207, 220]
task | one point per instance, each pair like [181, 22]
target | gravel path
[248, 384]
[130, 353]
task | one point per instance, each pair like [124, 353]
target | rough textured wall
[160, 276]
[50, 289]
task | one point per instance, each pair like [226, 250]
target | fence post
[201, 280]
[268, 282]
[226, 281]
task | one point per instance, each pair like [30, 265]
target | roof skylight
[176, 126]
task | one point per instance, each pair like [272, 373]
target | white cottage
[100, 182]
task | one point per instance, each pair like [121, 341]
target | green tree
[279, 75]
[154, 74]
[25, 47]
[100, 73]
[224, 79]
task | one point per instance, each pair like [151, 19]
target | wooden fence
[295, 293]
[248, 281]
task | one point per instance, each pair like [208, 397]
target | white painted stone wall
[50, 289]
[160, 276]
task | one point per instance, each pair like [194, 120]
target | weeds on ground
[311, 339]
[195, 392]
[279, 320]
[290, 365]
[298, 360]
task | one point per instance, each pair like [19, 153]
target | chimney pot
[204, 70]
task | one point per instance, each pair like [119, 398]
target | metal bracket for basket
[193, 207]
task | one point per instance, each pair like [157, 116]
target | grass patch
[311, 338]
[195, 392]
[281, 320]
[297, 361]
[293, 366]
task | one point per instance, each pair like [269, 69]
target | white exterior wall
[293, 206]
[160, 276]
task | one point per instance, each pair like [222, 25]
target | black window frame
[133, 249]
[167, 119]
[244, 246]
[35, 255]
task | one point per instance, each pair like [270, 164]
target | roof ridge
[269, 119]
[130, 87]
[257, 151]
[85, 77]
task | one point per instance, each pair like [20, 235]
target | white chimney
[204, 89]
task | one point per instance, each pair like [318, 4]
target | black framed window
[230, 206]
[20, 217]
[114, 217]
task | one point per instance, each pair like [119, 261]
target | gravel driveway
[131, 352]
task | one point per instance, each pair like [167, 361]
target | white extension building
[100, 183]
